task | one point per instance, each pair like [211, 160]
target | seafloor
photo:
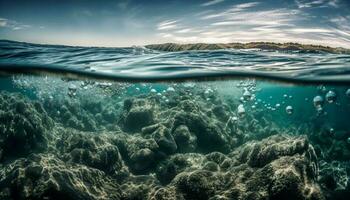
[185, 142]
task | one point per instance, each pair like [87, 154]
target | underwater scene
[174, 100]
[75, 123]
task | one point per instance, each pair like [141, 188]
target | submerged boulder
[210, 136]
[91, 150]
[24, 126]
[141, 155]
[165, 140]
[185, 140]
[287, 172]
[258, 154]
[46, 177]
[334, 178]
[138, 114]
[278, 167]
[199, 184]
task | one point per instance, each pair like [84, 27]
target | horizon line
[178, 43]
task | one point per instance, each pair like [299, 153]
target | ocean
[136, 123]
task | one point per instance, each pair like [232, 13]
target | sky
[121, 23]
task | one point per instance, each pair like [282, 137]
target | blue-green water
[98, 126]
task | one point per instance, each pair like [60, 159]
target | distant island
[251, 45]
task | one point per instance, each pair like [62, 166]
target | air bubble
[241, 110]
[170, 89]
[318, 101]
[347, 93]
[247, 95]
[331, 96]
[289, 110]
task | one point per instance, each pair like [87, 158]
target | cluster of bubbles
[163, 93]
[324, 96]
[318, 103]
[103, 88]
[330, 96]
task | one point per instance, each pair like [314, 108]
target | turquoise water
[93, 123]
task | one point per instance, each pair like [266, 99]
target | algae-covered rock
[24, 126]
[138, 114]
[165, 140]
[291, 175]
[279, 167]
[141, 155]
[192, 148]
[199, 184]
[169, 168]
[46, 177]
[210, 136]
[261, 153]
[185, 140]
[334, 178]
[91, 150]
[81, 113]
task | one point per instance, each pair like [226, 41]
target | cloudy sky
[139, 22]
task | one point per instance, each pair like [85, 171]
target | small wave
[140, 63]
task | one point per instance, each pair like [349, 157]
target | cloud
[249, 22]
[166, 25]
[185, 30]
[232, 11]
[310, 30]
[212, 2]
[11, 24]
[317, 3]
[341, 25]
[3, 22]
[273, 17]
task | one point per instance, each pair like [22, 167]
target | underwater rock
[185, 140]
[86, 114]
[258, 154]
[169, 168]
[140, 154]
[286, 168]
[334, 178]
[198, 184]
[283, 167]
[23, 126]
[221, 112]
[139, 187]
[142, 159]
[43, 176]
[138, 114]
[210, 135]
[193, 148]
[166, 193]
[91, 150]
[165, 140]
[331, 145]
